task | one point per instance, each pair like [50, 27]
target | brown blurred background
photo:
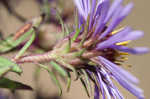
[138, 19]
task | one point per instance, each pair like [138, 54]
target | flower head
[97, 19]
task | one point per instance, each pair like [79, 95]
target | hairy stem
[35, 58]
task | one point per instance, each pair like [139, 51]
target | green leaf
[13, 85]
[89, 87]
[7, 65]
[26, 46]
[63, 73]
[76, 34]
[58, 68]
[62, 61]
[67, 31]
[4, 70]
[9, 43]
[85, 87]
[53, 77]
[61, 22]
[68, 82]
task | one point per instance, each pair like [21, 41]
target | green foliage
[63, 73]
[85, 87]
[76, 34]
[13, 85]
[53, 77]
[26, 46]
[9, 44]
[58, 68]
[7, 65]
[87, 80]
[62, 61]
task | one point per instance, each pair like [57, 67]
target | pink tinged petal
[118, 17]
[136, 50]
[122, 80]
[112, 9]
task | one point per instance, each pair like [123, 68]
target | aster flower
[101, 20]
[94, 49]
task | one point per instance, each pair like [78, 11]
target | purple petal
[96, 92]
[106, 91]
[81, 20]
[99, 79]
[136, 50]
[122, 80]
[118, 17]
[113, 90]
[122, 36]
[114, 39]
[119, 71]
[131, 88]
[102, 11]
[112, 9]
[92, 13]
[80, 6]
[132, 36]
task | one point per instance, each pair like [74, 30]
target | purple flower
[98, 19]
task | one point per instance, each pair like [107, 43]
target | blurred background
[22, 10]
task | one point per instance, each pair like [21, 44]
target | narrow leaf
[85, 87]
[62, 61]
[87, 80]
[61, 22]
[13, 85]
[9, 43]
[76, 34]
[26, 46]
[68, 45]
[53, 77]
[68, 82]
[7, 65]
[58, 68]
[63, 73]
[4, 70]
